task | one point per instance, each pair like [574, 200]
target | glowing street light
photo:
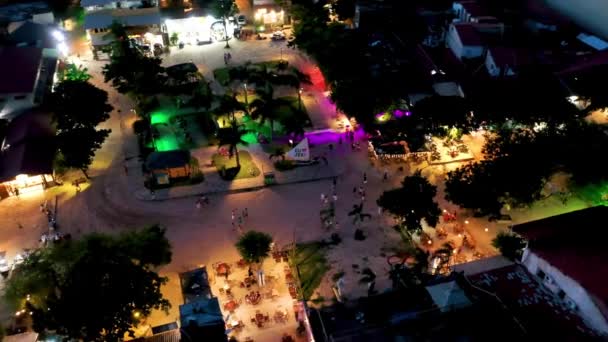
[300, 99]
[58, 35]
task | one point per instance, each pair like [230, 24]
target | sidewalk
[214, 184]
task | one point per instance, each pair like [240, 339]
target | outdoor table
[230, 306]
[259, 319]
[222, 269]
[254, 297]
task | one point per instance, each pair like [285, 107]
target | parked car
[241, 19]
[4, 267]
[278, 35]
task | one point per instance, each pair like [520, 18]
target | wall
[44, 18]
[586, 307]
[454, 43]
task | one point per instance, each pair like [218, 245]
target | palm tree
[229, 105]
[293, 124]
[201, 96]
[266, 107]
[244, 73]
[232, 136]
[296, 79]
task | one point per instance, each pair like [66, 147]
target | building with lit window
[27, 153]
[268, 13]
[142, 19]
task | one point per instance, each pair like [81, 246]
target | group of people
[49, 215]
[239, 220]
[227, 57]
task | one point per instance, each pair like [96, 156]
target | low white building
[464, 41]
[501, 61]
[568, 255]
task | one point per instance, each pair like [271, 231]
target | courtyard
[289, 213]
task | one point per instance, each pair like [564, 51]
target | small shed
[167, 165]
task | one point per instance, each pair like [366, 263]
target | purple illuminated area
[399, 113]
[331, 137]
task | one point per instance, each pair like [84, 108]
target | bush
[359, 236]
[197, 177]
[284, 165]
[141, 126]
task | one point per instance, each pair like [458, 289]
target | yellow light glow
[136, 314]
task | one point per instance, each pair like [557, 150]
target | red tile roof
[535, 307]
[19, 69]
[574, 243]
[468, 34]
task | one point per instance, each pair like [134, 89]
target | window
[19, 97]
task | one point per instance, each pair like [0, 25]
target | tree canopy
[412, 202]
[519, 161]
[254, 246]
[129, 71]
[78, 107]
[509, 244]
[96, 288]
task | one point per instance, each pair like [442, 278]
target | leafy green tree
[412, 202]
[77, 104]
[202, 97]
[229, 105]
[232, 136]
[78, 146]
[174, 38]
[75, 72]
[510, 245]
[96, 288]
[224, 9]
[129, 71]
[345, 9]
[254, 246]
[267, 108]
[441, 112]
[78, 107]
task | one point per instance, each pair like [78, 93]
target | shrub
[284, 165]
[140, 126]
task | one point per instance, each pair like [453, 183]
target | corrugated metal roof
[128, 17]
[167, 336]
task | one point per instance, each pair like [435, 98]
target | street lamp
[300, 99]
[246, 101]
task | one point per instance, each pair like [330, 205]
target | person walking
[245, 213]
[335, 197]
[385, 176]
[364, 178]
[322, 197]
[233, 215]
[198, 204]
